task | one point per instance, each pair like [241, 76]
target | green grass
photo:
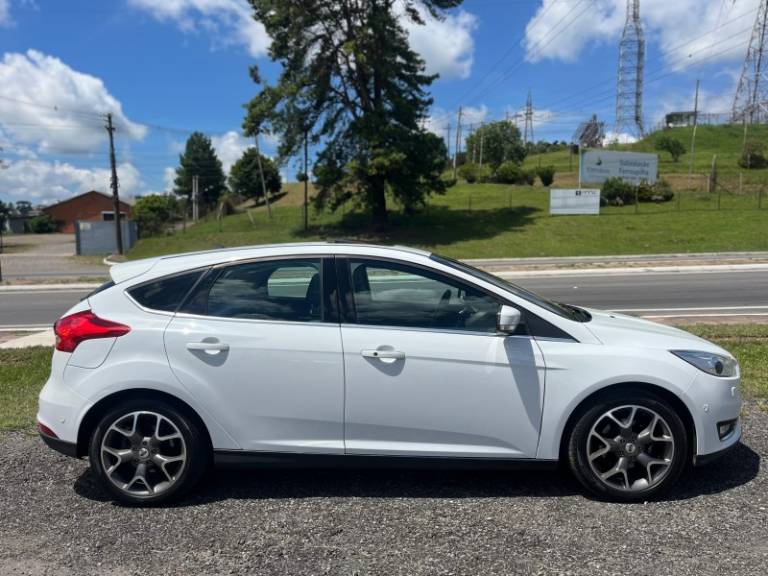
[494, 220]
[23, 372]
[725, 141]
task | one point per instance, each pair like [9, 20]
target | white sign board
[574, 201]
[599, 165]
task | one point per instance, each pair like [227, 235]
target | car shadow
[735, 469]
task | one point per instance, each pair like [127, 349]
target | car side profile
[348, 354]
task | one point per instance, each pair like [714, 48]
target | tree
[675, 148]
[153, 212]
[501, 142]
[350, 79]
[753, 155]
[199, 159]
[244, 177]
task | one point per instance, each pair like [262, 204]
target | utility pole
[629, 91]
[306, 180]
[261, 172]
[482, 135]
[195, 198]
[115, 184]
[693, 136]
[456, 149]
[528, 120]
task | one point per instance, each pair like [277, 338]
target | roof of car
[172, 263]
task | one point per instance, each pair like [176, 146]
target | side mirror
[508, 319]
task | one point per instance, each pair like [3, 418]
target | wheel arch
[675, 402]
[91, 418]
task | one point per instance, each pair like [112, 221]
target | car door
[426, 372]
[258, 344]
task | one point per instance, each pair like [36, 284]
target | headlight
[714, 364]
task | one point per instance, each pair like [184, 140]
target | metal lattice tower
[751, 102]
[629, 94]
[528, 134]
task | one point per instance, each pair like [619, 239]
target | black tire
[196, 449]
[580, 437]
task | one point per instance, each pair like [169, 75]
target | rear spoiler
[127, 270]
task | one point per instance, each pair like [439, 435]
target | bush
[753, 156]
[617, 192]
[469, 172]
[508, 173]
[153, 212]
[546, 175]
[449, 182]
[42, 224]
[527, 177]
[672, 145]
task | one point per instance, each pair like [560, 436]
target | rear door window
[165, 294]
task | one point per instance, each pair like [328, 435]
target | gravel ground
[55, 520]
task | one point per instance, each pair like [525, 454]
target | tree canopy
[244, 177]
[671, 145]
[501, 142]
[199, 159]
[351, 81]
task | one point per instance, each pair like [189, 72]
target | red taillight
[85, 325]
[43, 429]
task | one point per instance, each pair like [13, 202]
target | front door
[426, 372]
[259, 347]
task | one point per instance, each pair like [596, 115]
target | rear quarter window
[165, 294]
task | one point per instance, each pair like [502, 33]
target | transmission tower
[629, 93]
[751, 102]
[528, 134]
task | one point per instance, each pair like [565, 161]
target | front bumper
[713, 401]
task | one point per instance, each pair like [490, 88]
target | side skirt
[246, 459]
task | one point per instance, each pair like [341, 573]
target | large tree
[500, 142]
[199, 159]
[350, 79]
[245, 178]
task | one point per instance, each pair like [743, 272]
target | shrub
[617, 192]
[508, 173]
[753, 156]
[449, 182]
[527, 177]
[546, 175]
[42, 224]
[152, 212]
[672, 145]
[469, 172]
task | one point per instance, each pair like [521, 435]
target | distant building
[680, 119]
[90, 206]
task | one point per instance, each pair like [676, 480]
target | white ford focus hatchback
[345, 354]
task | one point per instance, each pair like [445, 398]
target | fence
[97, 237]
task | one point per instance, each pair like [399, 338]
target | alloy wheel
[630, 448]
[143, 453]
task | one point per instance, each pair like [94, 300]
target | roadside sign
[597, 166]
[574, 201]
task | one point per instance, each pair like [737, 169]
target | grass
[495, 220]
[23, 372]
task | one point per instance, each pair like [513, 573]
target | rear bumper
[62, 446]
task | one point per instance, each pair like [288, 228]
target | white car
[346, 354]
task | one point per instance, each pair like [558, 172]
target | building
[90, 206]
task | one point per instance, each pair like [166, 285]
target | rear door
[426, 372]
[258, 344]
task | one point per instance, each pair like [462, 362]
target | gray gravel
[55, 520]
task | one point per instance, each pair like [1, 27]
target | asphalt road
[700, 295]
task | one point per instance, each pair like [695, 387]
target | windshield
[565, 310]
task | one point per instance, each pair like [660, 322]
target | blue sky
[167, 67]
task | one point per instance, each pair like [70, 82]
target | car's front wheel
[629, 447]
[147, 452]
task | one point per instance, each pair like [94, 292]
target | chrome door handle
[383, 354]
[208, 346]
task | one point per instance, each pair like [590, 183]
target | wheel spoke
[619, 468]
[122, 457]
[647, 461]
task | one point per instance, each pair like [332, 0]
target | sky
[165, 68]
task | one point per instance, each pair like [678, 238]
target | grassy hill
[725, 141]
[494, 220]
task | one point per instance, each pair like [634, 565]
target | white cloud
[228, 22]
[612, 137]
[47, 104]
[230, 147]
[440, 120]
[43, 182]
[445, 45]
[5, 13]
[560, 30]
[169, 175]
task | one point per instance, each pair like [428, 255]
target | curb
[511, 273]
[74, 287]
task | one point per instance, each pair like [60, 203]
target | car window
[289, 290]
[393, 294]
[166, 293]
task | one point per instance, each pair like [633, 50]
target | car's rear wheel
[148, 451]
[628, 448]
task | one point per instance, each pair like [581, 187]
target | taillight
[85, 325]
[43, 429]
